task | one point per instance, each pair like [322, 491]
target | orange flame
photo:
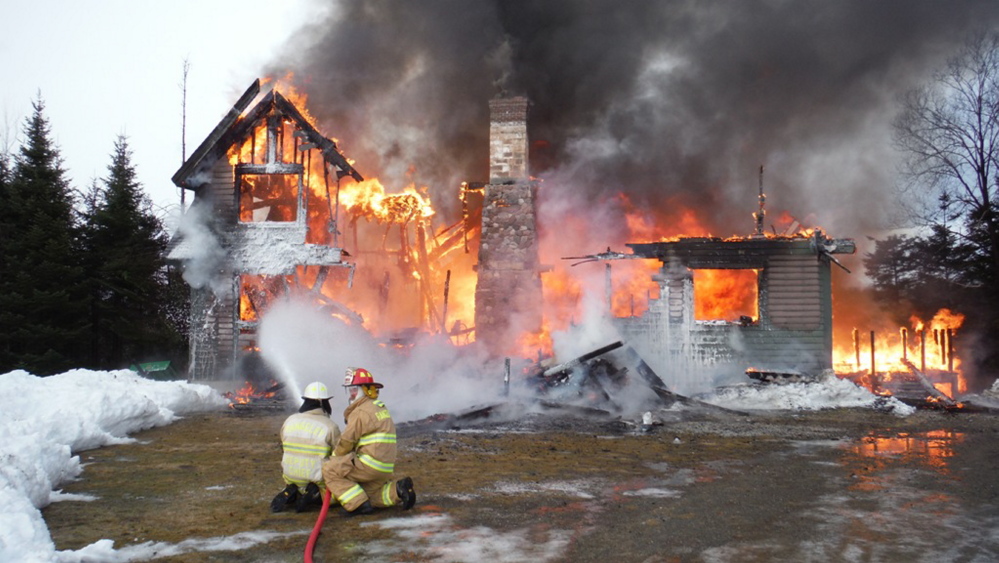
[926, 344]
[725, 294]
[247, 394]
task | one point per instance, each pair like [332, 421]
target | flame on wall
[408, 258]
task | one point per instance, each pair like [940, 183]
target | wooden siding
[801, 350]
[222, 192]
[793, 292]
[211, 348]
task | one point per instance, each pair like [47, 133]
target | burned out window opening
[251, 178]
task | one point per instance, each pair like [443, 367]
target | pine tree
[92, 264]
[42, 297]
[125, 243]
[5, 177]
[893, 274]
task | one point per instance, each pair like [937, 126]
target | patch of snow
[825, 393]
[59, 496]
[104, 551]
[435, 537]
[45, 421]
[653, 492]
[574, 488]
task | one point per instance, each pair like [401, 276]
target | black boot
[284, 498]
[312, 497]
[407, 494]
[365, 508]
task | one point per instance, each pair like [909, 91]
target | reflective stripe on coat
[307, 438]
[370, 434]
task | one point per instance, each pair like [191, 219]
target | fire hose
[317, 528]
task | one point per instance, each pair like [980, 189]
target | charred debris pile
[602, 385]
[605, 384]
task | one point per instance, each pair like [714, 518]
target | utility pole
[183, 125]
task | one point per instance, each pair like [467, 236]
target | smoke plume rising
[643, 111]
[674, 103]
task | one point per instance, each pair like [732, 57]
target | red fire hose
[317, 528]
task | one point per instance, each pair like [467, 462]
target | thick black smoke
[669, 102]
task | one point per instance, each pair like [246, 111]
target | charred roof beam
[235, 126]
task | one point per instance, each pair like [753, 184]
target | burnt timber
[255, 208]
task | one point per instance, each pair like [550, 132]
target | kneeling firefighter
[361, 473]
[307, 438]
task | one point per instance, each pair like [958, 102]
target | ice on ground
[436, 537]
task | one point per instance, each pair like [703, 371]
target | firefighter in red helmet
[361, 472]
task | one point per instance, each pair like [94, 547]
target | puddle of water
[881, 452]
[932, 449]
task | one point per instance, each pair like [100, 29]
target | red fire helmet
[360, 376]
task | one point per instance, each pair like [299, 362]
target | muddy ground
[700, 485]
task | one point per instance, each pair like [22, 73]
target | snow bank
[827, 392]
[45, 420]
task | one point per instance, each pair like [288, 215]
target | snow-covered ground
[829, 392]
[46, 421]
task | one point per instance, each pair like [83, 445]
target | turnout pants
[352, 483]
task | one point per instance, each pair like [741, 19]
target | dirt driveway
[700, 485]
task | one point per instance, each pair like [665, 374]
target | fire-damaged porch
[791, 331]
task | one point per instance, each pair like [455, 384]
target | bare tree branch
[949, 132]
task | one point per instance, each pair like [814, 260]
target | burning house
[278, 204]
[250, 179]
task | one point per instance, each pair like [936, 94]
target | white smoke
[202, 253]
[303, 344]
[594, 330]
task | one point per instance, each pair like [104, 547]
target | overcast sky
[110, 67]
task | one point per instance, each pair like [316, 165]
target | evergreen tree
[5, 177]
[4, 173]
[893, 275]
[42, 296]
[92, 264]
[922, 274]
[125, 244]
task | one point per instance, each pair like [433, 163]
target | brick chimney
[508, 140]
[508, 296]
